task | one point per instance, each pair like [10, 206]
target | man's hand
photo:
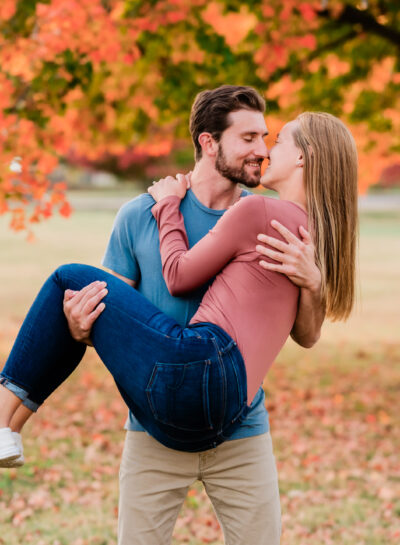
[82, 308]
[295, 258]
[169, 186]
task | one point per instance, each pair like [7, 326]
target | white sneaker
[18, 462]
[9, 450]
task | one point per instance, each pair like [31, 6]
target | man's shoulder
[141, 203]
[135, 210]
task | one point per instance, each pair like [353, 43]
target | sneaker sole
[18, 463]
[6, 461]
[12, 463]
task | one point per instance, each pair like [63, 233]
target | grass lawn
[334, 413]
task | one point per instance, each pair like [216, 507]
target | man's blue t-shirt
[134, 252]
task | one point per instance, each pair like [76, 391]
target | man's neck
[212, 189]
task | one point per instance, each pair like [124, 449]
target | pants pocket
[178, 395]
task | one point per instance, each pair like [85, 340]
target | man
[228, 129]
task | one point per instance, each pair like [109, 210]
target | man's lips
[253, 164]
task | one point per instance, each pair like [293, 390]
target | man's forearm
[310, 316]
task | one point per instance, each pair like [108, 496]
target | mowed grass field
[334, 411]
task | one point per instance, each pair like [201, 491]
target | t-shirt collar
[192, 197]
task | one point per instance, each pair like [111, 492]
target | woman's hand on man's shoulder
[170, 186]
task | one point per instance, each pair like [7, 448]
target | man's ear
[208, 144]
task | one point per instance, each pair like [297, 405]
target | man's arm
[82, 308]
[296, 259]
[310, 316]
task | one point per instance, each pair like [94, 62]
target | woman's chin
[266, 181]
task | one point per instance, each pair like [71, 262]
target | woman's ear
[299, 160]
[208, 144]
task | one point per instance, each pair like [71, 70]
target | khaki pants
[239, 476]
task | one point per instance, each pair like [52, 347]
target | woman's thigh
[120, 296]
[164, 372]
[131, 329]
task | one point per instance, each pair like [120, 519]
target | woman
[190, 387]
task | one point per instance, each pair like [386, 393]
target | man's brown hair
[211, 109]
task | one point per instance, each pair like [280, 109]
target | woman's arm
[295, 257]
[183, 269]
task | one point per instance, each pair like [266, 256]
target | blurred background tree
[109, 83]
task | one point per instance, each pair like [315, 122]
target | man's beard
[237, 175]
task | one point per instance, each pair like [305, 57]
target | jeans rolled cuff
[17, 390]
[31, 405]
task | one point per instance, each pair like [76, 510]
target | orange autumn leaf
[65, 210]
[308, 41]
[60, 186]
[47, 163]
[18, 219]
[7, 9]
[308, 11]
[234, 27]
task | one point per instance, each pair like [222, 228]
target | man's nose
[261, 149]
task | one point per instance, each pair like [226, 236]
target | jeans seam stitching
[185, 339]
[223, 380]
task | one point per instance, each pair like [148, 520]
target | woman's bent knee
[76, 275]
[63, 271]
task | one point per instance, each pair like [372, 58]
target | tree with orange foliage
[98, 77]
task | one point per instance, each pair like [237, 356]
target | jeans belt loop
[228, 347]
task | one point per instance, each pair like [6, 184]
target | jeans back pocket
[178, 395]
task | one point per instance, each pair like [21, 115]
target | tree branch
[368, 23]
[350, 15]
[279, 72]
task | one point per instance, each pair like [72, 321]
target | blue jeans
[186, 386]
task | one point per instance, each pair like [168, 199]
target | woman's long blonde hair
[330, 181]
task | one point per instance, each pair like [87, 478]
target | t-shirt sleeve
[120, 252]
[185, 270]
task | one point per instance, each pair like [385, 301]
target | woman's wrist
[314, 283]
[168, 187]
[168, 200]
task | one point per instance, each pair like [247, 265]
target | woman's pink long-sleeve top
[256, 307]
